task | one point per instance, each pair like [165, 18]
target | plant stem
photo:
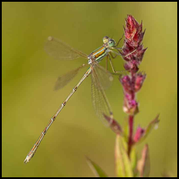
[131, 120]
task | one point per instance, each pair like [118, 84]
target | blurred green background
[29, 75]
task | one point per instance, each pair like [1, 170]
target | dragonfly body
[97, 87]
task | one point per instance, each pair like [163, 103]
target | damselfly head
[109, 42]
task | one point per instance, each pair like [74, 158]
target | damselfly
[101, 78]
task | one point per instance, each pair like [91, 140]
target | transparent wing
[59, 50]
[99, 99]
[65, 79]
[104, 76]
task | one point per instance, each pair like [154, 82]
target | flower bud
[114, 125]
[130, 105]
[126, 83]
[139, 81]
[139, 133]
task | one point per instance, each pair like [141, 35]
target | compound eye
[105, 39]
[111, 43]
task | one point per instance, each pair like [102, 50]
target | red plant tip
[132, 50]
[139, 79]
[133, 32]
[114, 125]
[139, 133]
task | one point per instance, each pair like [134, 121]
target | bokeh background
[29, 75]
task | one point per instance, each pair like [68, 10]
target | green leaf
[149, 128]
[95, 168]
[143, 164]
[126, 129]
[133, 158]
[123, 164]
